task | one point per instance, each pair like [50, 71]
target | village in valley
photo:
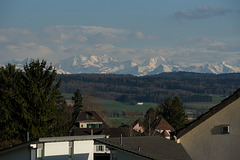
[81, 130]
[119, 80]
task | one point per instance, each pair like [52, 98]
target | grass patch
[111, 105]
[118, 121]
[198, 105]
[67, 95]
[195, 109]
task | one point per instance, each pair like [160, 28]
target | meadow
[122, 113]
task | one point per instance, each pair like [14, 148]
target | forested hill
[188, 86]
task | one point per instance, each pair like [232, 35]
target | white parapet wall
[56, 148]
[84, 150]
[53, 148]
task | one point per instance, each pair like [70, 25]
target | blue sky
[188, 31]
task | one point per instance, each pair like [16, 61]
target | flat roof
[70, 138]
[52, 139]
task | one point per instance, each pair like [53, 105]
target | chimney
[91, 132]
[121, 140]
[27, 136]
[139, 149]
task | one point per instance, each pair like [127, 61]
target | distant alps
[105, 65]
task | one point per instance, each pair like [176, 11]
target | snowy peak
[151, 64]
[105, 64]
[156, 65]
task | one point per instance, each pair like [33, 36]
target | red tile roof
[161, 124]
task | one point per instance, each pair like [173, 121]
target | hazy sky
[188, 31]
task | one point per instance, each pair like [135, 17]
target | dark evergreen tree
[12, 105]
[148, 119]
[43, 98]
[77, 98]
[173, 111]
[30, 101]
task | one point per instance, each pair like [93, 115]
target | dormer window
[225, 129]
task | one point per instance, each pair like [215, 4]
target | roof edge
[129, 150]
[224, 103]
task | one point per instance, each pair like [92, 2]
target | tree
[77, 98]
[12, 104]
[148, 119]
[173, 111]
[44, 99]
[30, 101]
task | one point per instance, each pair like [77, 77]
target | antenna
[27, 136]
[121, 140]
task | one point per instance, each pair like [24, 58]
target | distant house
[90, 123]
[138, 126]
[144, 148]
[161, 126]
[57, 148]
[88, 119]
[214, 135]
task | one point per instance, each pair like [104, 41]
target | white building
[56, 148]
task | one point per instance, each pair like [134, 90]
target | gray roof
[151, 147]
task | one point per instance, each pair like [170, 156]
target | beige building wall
[206, 141]
[138, 128]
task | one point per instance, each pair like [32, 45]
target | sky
[186, 31]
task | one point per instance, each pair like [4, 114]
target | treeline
[190, 87]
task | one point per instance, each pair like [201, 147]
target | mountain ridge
[151, 66]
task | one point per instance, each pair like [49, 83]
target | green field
[111, 105]
[67, 95]
[193, 109]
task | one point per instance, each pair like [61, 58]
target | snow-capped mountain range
[105, 64]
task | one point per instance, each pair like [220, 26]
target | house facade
[162, 127]
[90, 124]
[138, 127]
[216, 134]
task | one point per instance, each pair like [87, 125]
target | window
[99, 148]
[225, 129]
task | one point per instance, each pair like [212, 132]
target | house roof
[137, 122]
[161, 124]
[112, 132]
[151, 147]
[209, 114]
[90, 116]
